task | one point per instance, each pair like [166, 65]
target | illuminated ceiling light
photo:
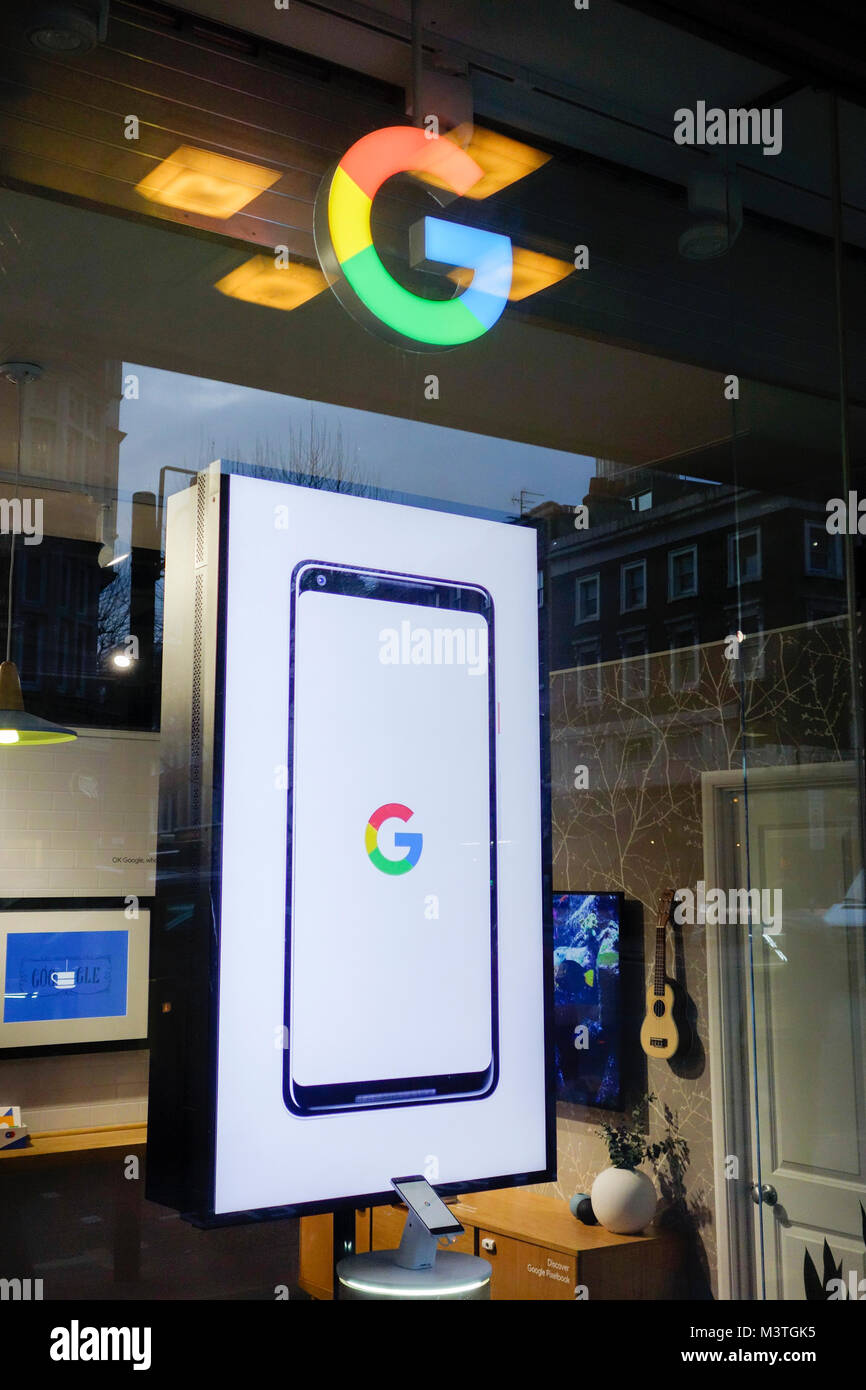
[121, 660]
[260, 281]
[199, 181]
[17, 727]
[503, 160]
[532, 272]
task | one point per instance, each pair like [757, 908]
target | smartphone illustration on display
[391, 956]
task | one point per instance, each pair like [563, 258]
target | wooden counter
[537, 1249]
[49, 1148]
[104, 1145]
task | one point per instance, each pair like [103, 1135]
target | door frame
[734, 1122]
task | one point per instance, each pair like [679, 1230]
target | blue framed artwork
[73, 976]
[65, 974]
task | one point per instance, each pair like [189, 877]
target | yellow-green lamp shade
[19, 729]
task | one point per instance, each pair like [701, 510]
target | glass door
[787, 859]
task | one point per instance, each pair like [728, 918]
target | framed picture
[74, 972]
[587, 997]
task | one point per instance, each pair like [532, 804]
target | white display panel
[407, 1034]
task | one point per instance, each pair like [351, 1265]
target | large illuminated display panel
[373, 1020]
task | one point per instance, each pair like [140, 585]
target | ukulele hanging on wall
[659, 1035]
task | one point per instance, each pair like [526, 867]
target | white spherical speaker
[624, 1200]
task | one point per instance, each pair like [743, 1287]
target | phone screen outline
[388, 1092]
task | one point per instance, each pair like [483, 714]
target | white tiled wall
[76, 1092]
[79, 819]
[69, 816]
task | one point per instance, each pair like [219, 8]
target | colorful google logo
[392, 811]
[344, 242]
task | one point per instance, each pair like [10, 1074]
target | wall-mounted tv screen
[586, 973]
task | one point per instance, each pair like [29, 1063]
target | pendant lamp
[17, 727]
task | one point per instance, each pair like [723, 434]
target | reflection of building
[647, 698]
[56, 609]
[67, 609]
[671, 562]
[70, 440]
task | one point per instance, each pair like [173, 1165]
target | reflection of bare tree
[645, 734]
[114, 611]
[311, 453]
[645, 729]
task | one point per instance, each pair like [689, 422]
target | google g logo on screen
[392, 810]
[344, 243]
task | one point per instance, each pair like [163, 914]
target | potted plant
[623, 1199]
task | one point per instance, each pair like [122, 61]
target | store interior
[670, 413]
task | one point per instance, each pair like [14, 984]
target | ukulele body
[659, 1035]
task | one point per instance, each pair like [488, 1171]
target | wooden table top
[513, 1211]
[547, 1221]
[57, 1146]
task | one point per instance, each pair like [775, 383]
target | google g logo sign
[392, 810]
[344, 243]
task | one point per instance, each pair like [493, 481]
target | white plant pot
[624, 1200]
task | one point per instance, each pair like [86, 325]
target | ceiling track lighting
[17, 727]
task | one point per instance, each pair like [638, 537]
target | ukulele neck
[659, 977]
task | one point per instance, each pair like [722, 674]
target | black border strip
[214, 896]
[544, 649]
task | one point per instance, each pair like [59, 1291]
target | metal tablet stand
[417, 1269]
[417, 1249]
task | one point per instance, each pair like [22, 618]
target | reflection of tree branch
[639, 821]
[314, 454]
[114, 612]
[638, 827]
